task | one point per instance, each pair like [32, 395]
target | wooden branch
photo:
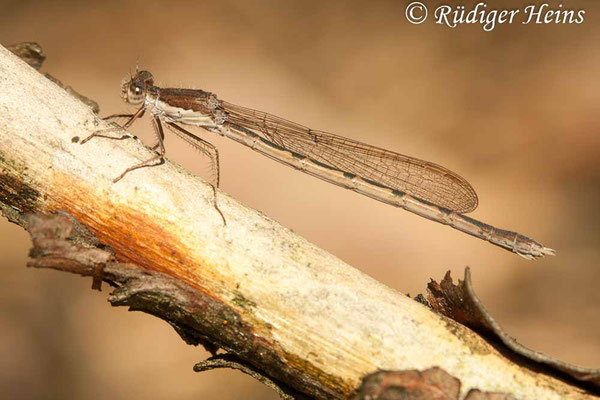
[281, 304]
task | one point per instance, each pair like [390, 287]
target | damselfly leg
[102, 132]
[207, 149]
[154, 161]
[198, 143]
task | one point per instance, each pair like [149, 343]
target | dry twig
[291, 310]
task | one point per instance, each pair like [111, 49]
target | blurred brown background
[515, 111]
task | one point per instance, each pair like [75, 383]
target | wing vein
[418, 178]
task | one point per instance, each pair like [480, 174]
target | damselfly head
[133, 89]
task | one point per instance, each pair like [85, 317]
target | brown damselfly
[422, 187]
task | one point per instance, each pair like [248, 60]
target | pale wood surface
[327, 320]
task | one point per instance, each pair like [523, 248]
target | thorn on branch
[232, 361]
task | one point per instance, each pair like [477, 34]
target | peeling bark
[460, 303]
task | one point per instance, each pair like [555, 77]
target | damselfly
[422, 187]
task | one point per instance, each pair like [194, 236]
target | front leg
[102, 133]
[113, 116]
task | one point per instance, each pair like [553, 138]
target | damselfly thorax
[184, 106]
[424, 188]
